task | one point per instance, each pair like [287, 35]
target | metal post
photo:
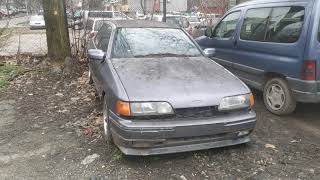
[164, 19]
[27, 7]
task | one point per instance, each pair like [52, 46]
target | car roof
[140, 24]
[258, 2]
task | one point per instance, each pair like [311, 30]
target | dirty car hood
[182, 81]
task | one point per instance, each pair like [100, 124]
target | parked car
[161, 94]
[103, 14]
[37, 22]
[272, 46]
[4, 12]
[194, 21]
[176, 20]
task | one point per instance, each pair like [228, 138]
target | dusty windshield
[153, 42]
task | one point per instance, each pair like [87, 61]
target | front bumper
[151, 137]
[305, 91]
[37, 27]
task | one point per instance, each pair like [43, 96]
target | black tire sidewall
[289, 104]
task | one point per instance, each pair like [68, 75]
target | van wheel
[278, 98]
[105, 129]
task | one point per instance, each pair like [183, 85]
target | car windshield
[153, 42]
[193, 19]
[37, 18]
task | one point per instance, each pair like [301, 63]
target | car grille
[198, 112]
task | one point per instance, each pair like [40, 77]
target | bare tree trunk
[57, 30]
[143, 7]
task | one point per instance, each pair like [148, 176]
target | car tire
[105, 129]
[90, 77]
[278, 97]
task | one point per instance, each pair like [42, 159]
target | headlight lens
[236, 102]
[150, 108]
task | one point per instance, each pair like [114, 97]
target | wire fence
[26, 41]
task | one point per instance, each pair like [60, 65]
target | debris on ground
[271, 146]
[90, 159]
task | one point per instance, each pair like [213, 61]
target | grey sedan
[162, 94]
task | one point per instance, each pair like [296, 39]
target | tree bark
[57, 29]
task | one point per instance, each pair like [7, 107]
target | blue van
[273, 46]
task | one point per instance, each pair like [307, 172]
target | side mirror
[209, 52]
[208, 32]
[96, 54]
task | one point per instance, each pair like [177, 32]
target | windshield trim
[119, 28]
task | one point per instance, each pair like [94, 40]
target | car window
[100, 14]
[319, 32]
[285, 24]
[89, 24]
[255, 24]
[227, 26]
[103, 37]
[98, 25]
[279, 24]
[153, 42]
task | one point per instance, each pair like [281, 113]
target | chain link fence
[15, 41]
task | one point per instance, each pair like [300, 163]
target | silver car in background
[37, 22]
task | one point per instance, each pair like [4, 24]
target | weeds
[8, 73]
[117, 155]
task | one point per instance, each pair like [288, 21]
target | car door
[269, 41]
[223, 39]
[103, 44]
[101, 41]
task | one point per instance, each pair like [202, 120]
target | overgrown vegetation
[8, 73]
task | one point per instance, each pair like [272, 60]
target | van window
[227, 26]
[285, 24]
[255, 24]
[279, 24]
[319, 32]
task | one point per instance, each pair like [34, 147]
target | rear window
[279, 24]
[37, 18]
[100, 14]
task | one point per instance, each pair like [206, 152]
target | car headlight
[144, 108]
[236, 102]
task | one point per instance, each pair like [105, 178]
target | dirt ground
[49, 130]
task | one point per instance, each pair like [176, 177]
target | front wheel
[278, 97]
[90, 77]
[106, 122]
